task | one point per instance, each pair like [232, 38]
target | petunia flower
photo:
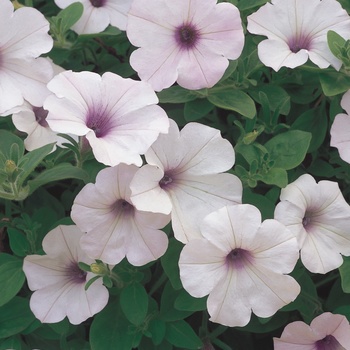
[184, 176]
[58, 282]
[318, 215]
[115, 228]
[98, 14]
[326, 332]
[23, 38]
[340, 130]
[297, 30]
[242, 264]
[188, 41]
[32, 120]
[118, 116]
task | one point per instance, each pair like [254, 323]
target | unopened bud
[98, 269]
[10, 167]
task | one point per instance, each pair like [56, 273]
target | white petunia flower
[23, 38]
[340, 130]
[297, 30]
[188, 41]
[184, 176]
[115, 228]
[326, 332]
[242, 264]
[58, 282]
[98, 14]
[318, 215]
[118, 116]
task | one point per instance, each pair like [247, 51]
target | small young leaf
[335, 43]
[70, 15]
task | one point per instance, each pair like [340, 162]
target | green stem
[326, 280]
[159, 282]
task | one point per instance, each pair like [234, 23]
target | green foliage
[344, 270]
[11, 278]
[110, 327]
[15, 316]
[180, 334]
[233, 100]
[288, 149]
[134, 303]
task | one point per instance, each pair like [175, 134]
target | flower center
[165, 181]
[99, 121]
[186, 36]
[124, 207]
[97, 3]
[40, 116]
[76, 274]
[328, 343]
[237, 257]
[298, 43]
[306, 221]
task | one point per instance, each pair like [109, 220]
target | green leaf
[176, 94]
[233, 100]
[334, 83]
[157, 329]
[11, 277]
[275, 176]
[314, 121]
[70, 15]
[18, 242]
[31, 160]
[307, 302]
[197, 109]
[7, 139]
[186, 302]
[249, 4]
[110, 328]
[277, 97]
[170, 261]
[15, 316]
[134, 303]
[288, 149]
[264, 204]
[335, 43]
[344, 271]
[109, 31]
[11, 343]
[61, 171]
[180, 334]
[168, 312]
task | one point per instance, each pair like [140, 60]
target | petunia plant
[174, 174]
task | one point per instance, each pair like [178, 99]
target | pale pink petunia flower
[184, 176]
[326, 332]
[115, 228]
[318, 215]
[98, 14]
[118, 116]
[32, 120]
[58, 282]
[242, 264]
[340, 130]
[23, 74]
[297, 30]
[188, 41]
